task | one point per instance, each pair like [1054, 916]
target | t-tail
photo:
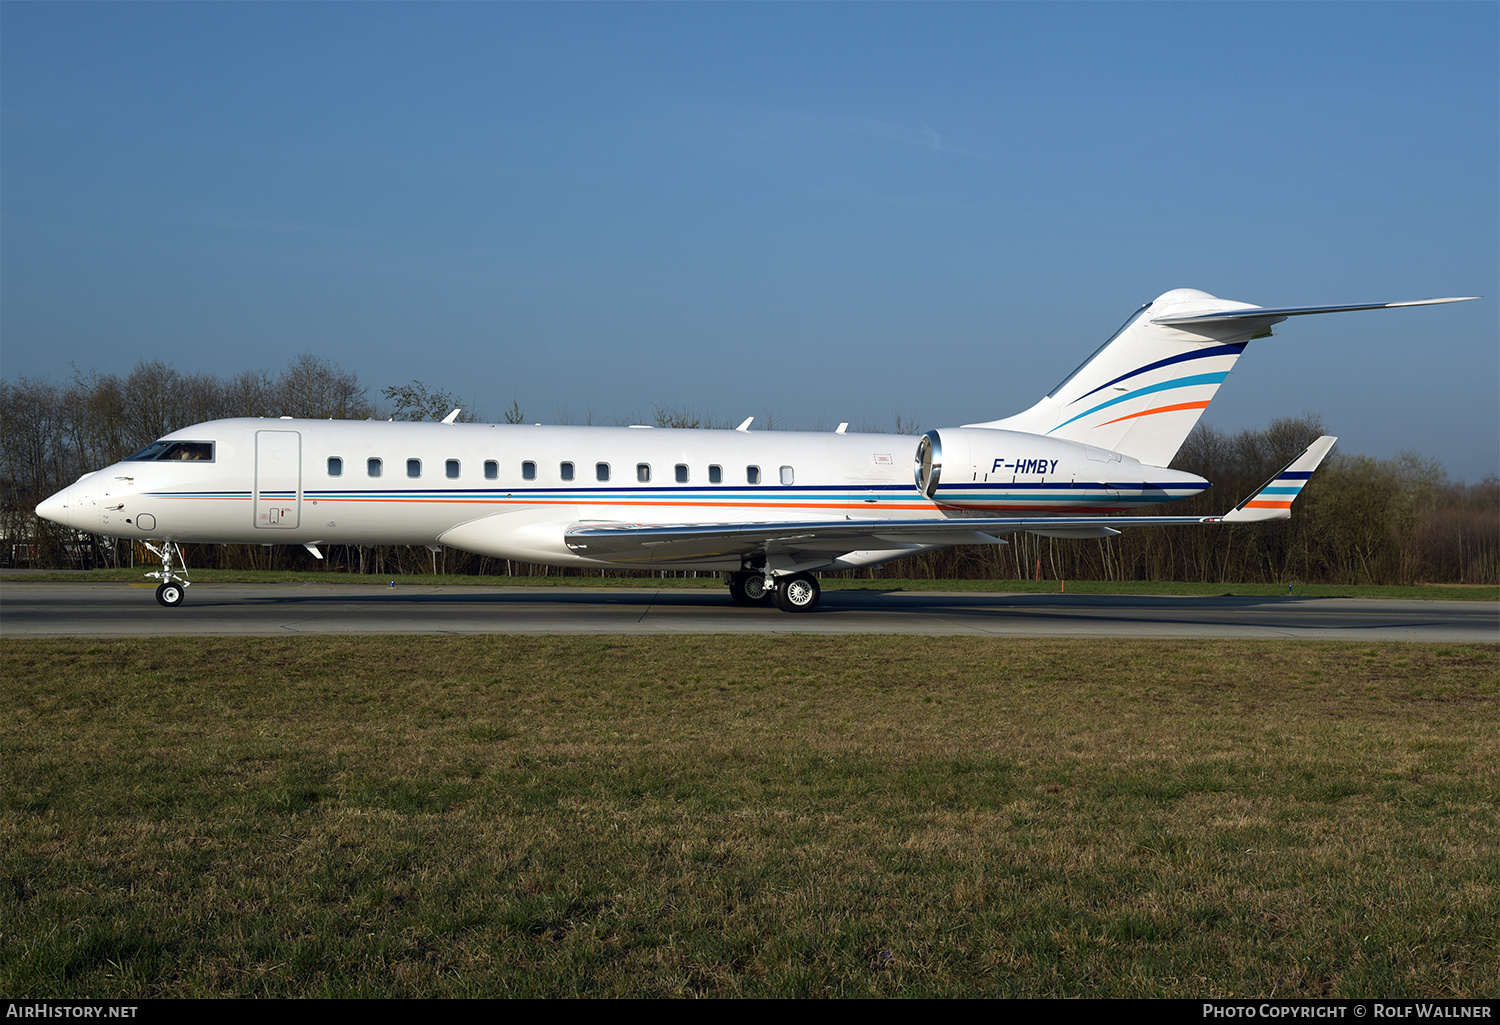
[1143, 390]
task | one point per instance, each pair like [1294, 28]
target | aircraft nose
[73, 506]
[54, 508]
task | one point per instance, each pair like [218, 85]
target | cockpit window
[159, 451]
[151, 451]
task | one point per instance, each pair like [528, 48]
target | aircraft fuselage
[376, 482]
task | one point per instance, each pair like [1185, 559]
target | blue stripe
[1181, 382]
[1075, 491]
[1218, 350]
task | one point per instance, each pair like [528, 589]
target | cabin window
[565, 471]
[414, 467]
[716, 475]
[682, 475]
[491, 470]
[372, 467]
[752, 475]
[601, 471]
[643, 473]
[528, 470]
[451, 469]
[335, 466]
[787, 476]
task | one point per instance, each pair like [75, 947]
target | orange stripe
[1267, 504]
[930, 507]
[1159, 409]
[566, 501]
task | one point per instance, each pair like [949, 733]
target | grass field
[484, 816]
[1446, 592]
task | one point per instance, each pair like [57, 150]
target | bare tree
[151, 401]
[313, 388]
[416, 401]
[248, 393]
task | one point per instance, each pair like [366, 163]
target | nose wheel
[171, 594]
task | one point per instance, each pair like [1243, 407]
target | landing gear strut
[173, 589]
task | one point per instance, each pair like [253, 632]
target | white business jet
[765, 508]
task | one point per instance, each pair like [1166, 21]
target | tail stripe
[1218, 350]
[1159, 409]
[1181, 382]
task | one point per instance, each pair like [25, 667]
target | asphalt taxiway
[128, 610]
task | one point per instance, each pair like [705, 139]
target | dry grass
[748, 816]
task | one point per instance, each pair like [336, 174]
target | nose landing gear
[173, 589]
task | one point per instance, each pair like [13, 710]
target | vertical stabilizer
[1144, 389]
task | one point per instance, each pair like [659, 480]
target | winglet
[1274, 499]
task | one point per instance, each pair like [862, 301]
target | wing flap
[634, 543]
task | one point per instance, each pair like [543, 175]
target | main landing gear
[796, 593]
[173, 589]
[749, 589]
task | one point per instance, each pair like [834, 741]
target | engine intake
[928, 467]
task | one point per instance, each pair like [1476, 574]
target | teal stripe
[1181, 382]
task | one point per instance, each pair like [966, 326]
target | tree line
[1360, 520]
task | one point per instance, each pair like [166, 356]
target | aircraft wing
[657, 544]
[640, 543]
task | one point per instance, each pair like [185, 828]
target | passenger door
[278, 479]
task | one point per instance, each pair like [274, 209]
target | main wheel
[797, 593]
[171, 594]
[749, 589]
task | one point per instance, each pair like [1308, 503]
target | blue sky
[820, 212]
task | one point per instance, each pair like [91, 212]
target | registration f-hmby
[765, 508]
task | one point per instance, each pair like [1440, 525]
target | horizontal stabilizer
[1274, 499]
[1281, 313]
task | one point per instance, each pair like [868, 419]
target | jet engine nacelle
[955, 456]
